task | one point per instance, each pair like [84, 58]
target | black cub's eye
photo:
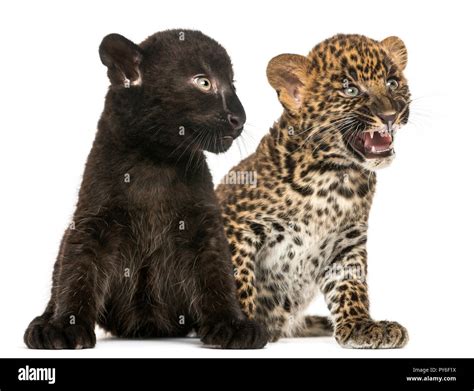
[392, 84]
[351, 91]
[203, 83]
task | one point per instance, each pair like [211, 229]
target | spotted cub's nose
[387, 117]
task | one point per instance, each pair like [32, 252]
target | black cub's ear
[122, 58]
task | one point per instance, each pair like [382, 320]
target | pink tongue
[378, 142]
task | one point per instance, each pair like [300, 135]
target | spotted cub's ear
[122, 58]
[287, 74]
[398, 50]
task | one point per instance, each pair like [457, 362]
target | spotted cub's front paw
[235, 334]
[369, 334]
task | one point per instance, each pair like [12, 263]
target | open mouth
[374, 143]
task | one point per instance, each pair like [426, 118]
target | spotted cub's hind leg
[316, 326]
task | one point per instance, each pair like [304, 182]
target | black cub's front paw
[48, 334]
[235, 334]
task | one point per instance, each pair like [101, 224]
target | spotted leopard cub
[302, 228]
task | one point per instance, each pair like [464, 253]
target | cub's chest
[298, 247]
[298, 250]
[287, 269]
[153, 187]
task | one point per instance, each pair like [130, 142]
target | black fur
[146, 255]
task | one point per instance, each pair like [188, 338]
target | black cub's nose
[236, 121]
[388, 116]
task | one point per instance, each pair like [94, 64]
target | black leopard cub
[146, 255]
[303, 227]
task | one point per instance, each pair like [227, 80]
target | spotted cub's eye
[351, 91]
[203, 83]
[392, 84]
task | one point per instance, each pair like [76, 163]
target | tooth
[373, 149]
[371, 131]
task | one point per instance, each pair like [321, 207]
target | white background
[52, 85]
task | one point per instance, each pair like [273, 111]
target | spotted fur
[303, 228]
